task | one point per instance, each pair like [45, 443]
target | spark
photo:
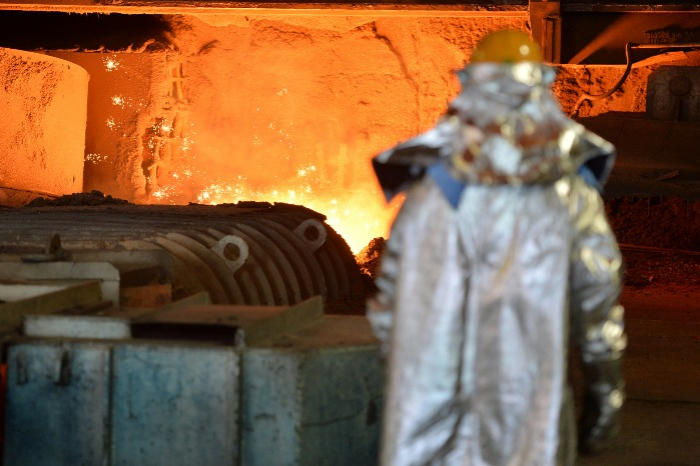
[111, 63]
[118, 100]
[186, 144]
[95, 158]
[110, 123]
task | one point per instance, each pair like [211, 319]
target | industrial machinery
[233, 334]
[152, 335]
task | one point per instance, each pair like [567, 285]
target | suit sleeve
[597, 318]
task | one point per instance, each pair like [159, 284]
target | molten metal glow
[358, 215]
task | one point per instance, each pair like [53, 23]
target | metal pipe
[628, 58]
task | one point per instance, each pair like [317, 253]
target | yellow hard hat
[506, 46]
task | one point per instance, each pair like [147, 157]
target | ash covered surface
[655, 222]
[93, 198]
[369, 261]
[369, 258]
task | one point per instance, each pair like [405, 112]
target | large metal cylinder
[43, 103]
[250, 253]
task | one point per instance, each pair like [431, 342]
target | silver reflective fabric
[477, 303]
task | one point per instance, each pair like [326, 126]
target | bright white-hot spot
[111, 63]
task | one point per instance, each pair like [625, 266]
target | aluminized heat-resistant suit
[500, 252]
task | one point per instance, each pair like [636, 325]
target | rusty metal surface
[233, 325]
[405, 7]
[310, 386]
[69, 424]
[280, 255]
[174, 405]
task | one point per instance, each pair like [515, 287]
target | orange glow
[278, 109]
[358, 214]
[269, 145]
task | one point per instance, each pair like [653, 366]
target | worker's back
[500, 252]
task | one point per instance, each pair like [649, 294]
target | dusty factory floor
[661, 424]
[660, 209]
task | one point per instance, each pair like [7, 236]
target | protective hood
[505, 127]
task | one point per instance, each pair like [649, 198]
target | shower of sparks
[355, 214]
[118, 101]
[186, 144]
[357, 225]
[111, 63]
[306, 171]
[95, 158]
[110, 123]
[160, 194]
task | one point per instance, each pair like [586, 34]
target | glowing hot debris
[357, 216]
[118, 101]
[95, 158]
[111, 63]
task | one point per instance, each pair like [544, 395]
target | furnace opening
[215, 109]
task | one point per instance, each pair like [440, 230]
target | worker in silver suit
[500, 252]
